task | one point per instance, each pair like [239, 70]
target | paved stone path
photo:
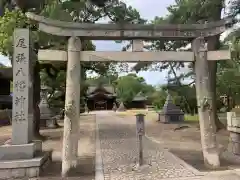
[118, 153]
[118, 149]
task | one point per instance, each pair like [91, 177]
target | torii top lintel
[129, 31]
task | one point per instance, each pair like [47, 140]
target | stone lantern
[46, 114]
[86, 108]
[170, 112]
[114, 107]
[121, 107]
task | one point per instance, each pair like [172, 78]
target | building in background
[101, 97]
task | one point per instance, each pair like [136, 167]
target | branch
[47, 46]
[90, 13]
[191, 83]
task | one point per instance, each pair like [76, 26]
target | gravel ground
[119, 154]
[118, 151]
[86, 160]
[86, 151]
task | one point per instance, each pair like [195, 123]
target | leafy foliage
[158, 99]
[8, 23]
[129, 86]
[69, 10]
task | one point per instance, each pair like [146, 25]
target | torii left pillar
[72, 106]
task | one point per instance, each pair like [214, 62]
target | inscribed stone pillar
[22, 113]
[204, 100]
[72, 105]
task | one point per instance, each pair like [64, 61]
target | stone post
[204, 101]
[140, 132]
[86, 108]
[18, 160]
[233, 126]
[22, 113]
[72, 106]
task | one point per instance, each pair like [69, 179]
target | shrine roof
[107, 88]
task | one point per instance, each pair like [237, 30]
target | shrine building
[101, 97]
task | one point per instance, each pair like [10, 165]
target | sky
[148, 10]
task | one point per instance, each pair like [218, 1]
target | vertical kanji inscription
[22, 90]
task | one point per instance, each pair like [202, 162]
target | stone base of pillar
[234, 143]
[170, 118]
[49, 123]
[24, 168]
[23, 151]
[23, 161]
[230, 157]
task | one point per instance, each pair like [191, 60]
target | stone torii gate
[197, 33]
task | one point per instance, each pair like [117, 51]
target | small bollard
[140, 131]
[159, 116]
[114, 107]
[86, 108]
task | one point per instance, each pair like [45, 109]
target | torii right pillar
[205, 102]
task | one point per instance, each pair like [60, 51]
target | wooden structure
[101, 97]
[199, 34]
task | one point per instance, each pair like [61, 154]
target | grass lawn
[191, 118]
[152, 115]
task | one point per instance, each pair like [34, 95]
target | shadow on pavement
[195, 159]
[85, 169]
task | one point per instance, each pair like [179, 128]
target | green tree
[228, 83]
[127, 87]
[198, 11]
[158, 99]
[187, 12]
[13, 15]
[107, 79]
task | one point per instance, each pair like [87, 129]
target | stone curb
[99, 175]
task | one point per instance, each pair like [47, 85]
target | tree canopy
[70, 10]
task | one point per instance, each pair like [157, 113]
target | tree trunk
[229, 94]
[213, 44]
[180, 85]
[2, 8]
[205, 103]
[36, 101]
